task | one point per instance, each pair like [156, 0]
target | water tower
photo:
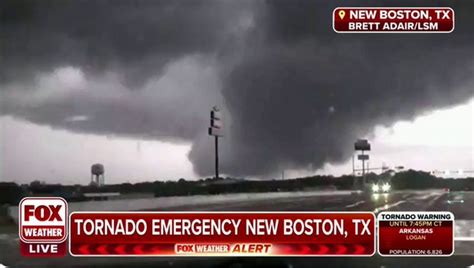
[97, 174]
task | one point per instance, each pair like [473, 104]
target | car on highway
[381, 187]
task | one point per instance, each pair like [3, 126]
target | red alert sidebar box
[429, 233]
[43, 226]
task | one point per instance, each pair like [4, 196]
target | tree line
[11, 193]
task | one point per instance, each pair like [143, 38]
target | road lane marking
[388, 206]
[411, 199]
[434, 200]
[355, 204]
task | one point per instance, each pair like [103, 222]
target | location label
[393, 20]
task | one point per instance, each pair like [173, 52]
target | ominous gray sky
[295, 94]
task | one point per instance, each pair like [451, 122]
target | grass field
[8, 227]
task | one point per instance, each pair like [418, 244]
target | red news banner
[393, 20]
[416, 233]
[221, 234]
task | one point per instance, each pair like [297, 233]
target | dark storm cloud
[135, 37]
[295, 93]
[147, 65]
[301, 98]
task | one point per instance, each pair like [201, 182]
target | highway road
[461, 204]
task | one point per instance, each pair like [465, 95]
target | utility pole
[353, 166]
[216, 139]
[354, 178]
[216, 130]
[363, 163]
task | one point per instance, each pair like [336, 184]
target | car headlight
[375, 188]
[386, 187]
